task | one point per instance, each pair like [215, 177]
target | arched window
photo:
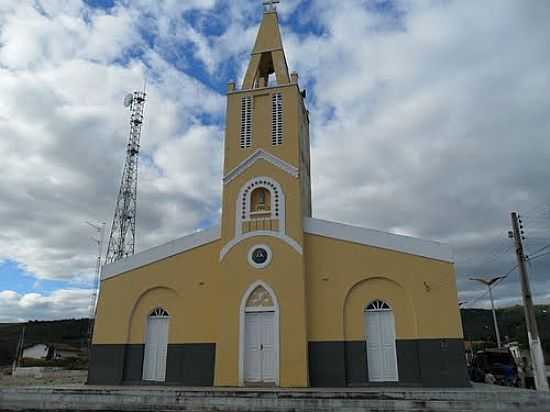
[259, 298]
[159, 312]
[378, 305]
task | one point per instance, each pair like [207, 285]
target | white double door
[156, 348]
[381, 353]
[259, 347]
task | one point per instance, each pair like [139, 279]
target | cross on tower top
[270, 5]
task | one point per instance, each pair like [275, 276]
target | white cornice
[253, 158]
[384, 240]
[287, 239]
[160, 252]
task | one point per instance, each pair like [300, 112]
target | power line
[536, 211]
[493, 255]
[540, 250]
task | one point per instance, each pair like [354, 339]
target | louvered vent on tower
[277, 119]
[246, 122]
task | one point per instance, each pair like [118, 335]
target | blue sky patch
[14, 277]
[103, 4]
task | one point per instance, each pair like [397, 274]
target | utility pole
[489, 283]
[100, 230]
[19, 351]
[535, 346]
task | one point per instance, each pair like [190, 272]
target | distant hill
[478, 325]
[70, 331]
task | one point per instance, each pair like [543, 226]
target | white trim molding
[287, 239]
[259, 154]
[242, 312]
[160, 252]
[383, 240]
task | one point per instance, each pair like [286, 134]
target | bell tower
[266, 195]
[267, 124]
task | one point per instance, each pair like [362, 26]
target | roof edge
[259, 154]
[161, 252]
[384, 240]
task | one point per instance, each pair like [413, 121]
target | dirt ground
[59, 378]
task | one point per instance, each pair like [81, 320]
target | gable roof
[160, 252]
[260, 154]
[333, 230]
[383, 240]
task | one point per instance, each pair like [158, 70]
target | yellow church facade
[273, 296]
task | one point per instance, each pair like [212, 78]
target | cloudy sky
[428, 118]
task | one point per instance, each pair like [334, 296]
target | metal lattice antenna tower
[123, 231]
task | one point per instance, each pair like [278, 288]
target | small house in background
[52, 351]
[37, 351]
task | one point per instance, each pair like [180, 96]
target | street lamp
[489, 283]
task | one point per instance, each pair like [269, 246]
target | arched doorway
[259, 340]
[381, 353]
[156, 346]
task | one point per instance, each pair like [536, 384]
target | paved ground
[74, 378]
[78, 397]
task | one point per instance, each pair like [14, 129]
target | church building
[273, 296]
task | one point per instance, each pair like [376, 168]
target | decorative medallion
[259, 256]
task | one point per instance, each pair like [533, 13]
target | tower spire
[270, 5]
[268, 56]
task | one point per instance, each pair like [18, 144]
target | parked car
[494, 366]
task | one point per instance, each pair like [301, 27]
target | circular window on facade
[259, 256]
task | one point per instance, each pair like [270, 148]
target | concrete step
[89, 398]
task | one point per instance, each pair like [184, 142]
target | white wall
[36, 352]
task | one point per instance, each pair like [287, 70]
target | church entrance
[381, 353]
[259, 350]
[156, 346]
[259, 362]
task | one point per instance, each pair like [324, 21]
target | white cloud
[428, 118]
[63, 132]
[62, 303]
[34, 36]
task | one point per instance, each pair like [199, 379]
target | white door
[156, 346]
[259, 346]
[381, 353]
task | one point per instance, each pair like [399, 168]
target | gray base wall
[131, 399]
[187, 364]
[420, 362]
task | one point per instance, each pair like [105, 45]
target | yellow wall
[183, 285]
[261, 125]
[203, 298]
[323, 302]
[285, 276]
[343, 277]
